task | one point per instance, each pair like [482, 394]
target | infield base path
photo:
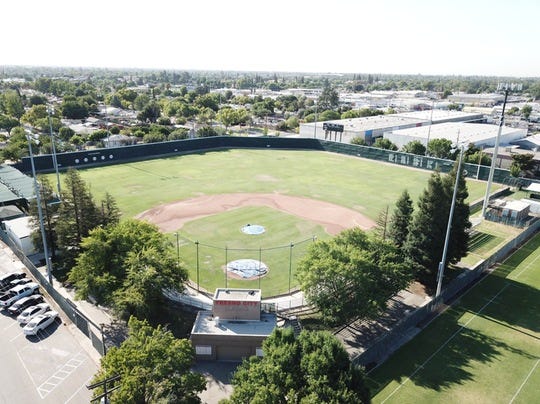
[334, 218]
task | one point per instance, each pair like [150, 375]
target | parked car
[23, 303]
[40, 322]
[5, 279]
[18, 292]
[30, 312]
[20, 281]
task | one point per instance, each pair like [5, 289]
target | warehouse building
[372, 127]
[235, 328]
[481, 135]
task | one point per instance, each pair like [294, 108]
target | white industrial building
[481, 135]
[372, 127]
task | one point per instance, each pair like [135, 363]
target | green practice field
[483, 349]
[363, 185]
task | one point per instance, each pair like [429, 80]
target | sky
[427, 37]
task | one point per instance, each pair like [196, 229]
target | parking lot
[52, 367]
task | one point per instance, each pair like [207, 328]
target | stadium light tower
[442, 264]
[40, 213]
[506, 87]
[50, 111]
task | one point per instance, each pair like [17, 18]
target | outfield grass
[484, 349]
[363, 185]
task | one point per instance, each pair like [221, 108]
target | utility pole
[506, 87]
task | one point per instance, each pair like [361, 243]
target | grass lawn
[484, 349]
[486, 239]
[221, 241]
[363, 185]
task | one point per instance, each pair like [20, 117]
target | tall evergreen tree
[401, 220]
[78, 215]
[425, 241]
[49, 211]
[109, 212]
[427, 232]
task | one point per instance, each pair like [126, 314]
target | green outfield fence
[119, 155]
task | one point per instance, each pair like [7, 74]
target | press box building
[235, 328]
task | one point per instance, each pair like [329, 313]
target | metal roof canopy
[14, 184]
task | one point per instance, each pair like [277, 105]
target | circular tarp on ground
[253, 229]
[247, 268]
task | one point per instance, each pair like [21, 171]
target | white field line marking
[527, 266]
[25, 368]
[524, 381]
[78, 390]
[55, 379]
[445, 343]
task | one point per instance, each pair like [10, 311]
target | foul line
[524, 381]
[445, 343]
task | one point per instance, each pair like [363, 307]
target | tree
[351, 276]
[526, 111]
[521, 163]
[17, 146]
[382, 223]
[311, 368]
[358, 141]
[73, 109]
[153, 366]
[13, 104]
[415, 147]
[49, 209]
[206, 131]
[7, 123]
[65, 133]
[77, 216]
[178, 134]
[401, 220]
[148, 272]
[150, 112]
[329, 115]
[127, 265]
[386, 144]
[427, 231]
[227, 116]
[329, 98]
[440, 148]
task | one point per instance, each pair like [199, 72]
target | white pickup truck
[18, 292]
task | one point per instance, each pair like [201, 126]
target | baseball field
[204, 199]
[483, 349]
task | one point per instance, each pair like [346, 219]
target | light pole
[440, 273]
[429, 127]
[506, 87]
[40, 213]
[315, 128]
[55, 162]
